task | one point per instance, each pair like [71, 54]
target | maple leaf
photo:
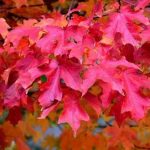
[57, 19]
[8, 60]
[13, 95]
[98, 8]
[105, 71]
[136, 16]
[66, 70]
[106, 96]
[124, 135]
[74, 35]
[45, 111]
[119, 23]
[94, 102]
[133, 102]
[83, 48]
[116, 111]
[113, 100]
[22, 31]
[53, 41]
[4, 27]
[14, 92]
[70, 73]
[73, 113]
[74, 41]
[26, 78]
[30, 68]
[142, 4]
[51, 89]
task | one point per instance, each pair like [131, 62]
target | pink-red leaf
[73, 113]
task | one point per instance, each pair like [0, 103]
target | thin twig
[70, 7]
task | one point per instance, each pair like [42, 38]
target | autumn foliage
[85, 64]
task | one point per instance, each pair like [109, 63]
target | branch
[4, 8]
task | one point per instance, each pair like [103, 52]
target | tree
[79, 63]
